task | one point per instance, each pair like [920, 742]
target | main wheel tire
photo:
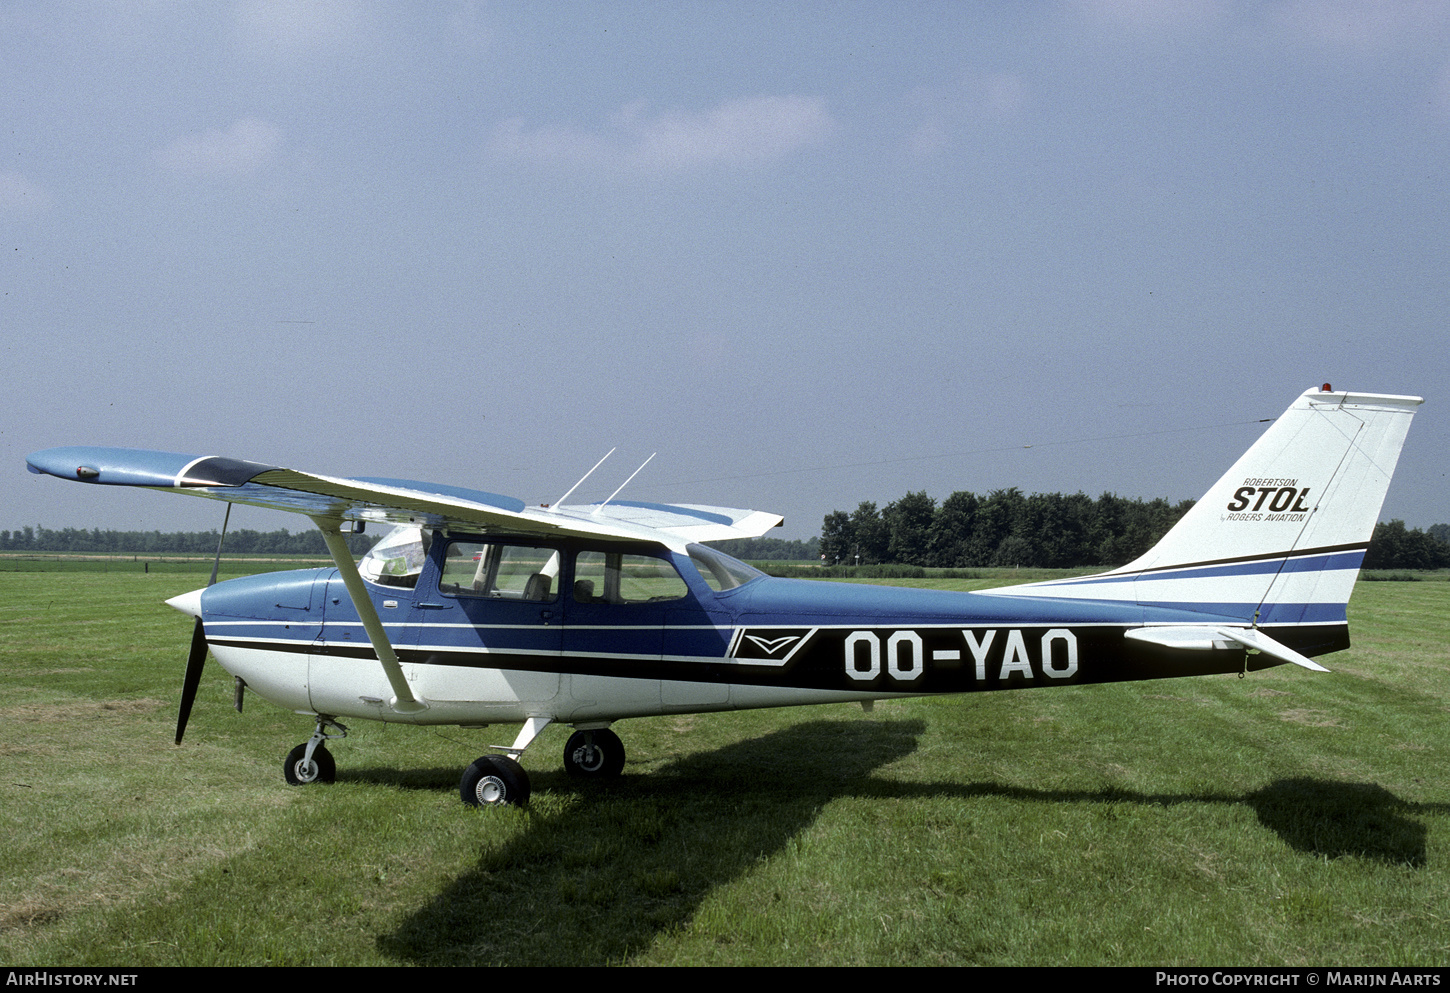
[597, 754]
[494, 781]
[322, 769]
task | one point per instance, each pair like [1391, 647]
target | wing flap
[685, 522]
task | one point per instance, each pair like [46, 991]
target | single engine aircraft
[476, 609]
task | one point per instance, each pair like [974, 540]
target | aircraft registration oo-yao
[476, 609]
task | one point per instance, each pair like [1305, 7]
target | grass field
[1286, 818]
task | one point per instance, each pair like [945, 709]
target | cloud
[1440, 97]
[285, 26]
[735, 133]
[19, 195]
[944, 112]
[1154, 17]
[241, 150]
[1366, 26]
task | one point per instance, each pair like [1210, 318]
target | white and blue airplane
[476, 609]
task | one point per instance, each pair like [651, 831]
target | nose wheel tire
[597, 754]
[300, 772]
[494, 781]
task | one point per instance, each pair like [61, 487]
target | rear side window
[618, 577]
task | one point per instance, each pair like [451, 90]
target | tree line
[1052, 531]
[770, 549]
[1002, 528]
[240, 541]
[1396, 547]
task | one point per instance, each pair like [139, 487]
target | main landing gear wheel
[300, 772]
[597, 754]
[494, 781]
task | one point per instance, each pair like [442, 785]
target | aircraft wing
[395, 501]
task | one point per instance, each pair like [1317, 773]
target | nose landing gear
[311, 762]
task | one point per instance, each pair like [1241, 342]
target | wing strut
[403, 702]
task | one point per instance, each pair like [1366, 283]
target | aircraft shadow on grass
[646, 848]
[1319, 817]
[1334, 819]
[632, 860]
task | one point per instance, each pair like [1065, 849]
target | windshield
[719, 570]
[397, 559]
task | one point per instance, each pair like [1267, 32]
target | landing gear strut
[311, 762]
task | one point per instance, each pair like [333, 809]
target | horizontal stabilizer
[1203, 638]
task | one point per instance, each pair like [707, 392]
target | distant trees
[240, 541]
[837, 536]
[1052, 531]
[1003, 528]
[1394, 547]
[770, 549]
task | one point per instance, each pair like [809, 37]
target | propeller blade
[194, 663]
[196, 660]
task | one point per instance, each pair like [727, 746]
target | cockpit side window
[619, 577]
[397, 559]
[500, 571]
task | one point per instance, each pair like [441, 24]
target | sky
[812, 254]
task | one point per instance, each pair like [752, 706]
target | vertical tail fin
[1280, 537]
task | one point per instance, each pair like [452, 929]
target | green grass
[1286, 818]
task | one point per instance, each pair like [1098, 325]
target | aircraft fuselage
[297, 640]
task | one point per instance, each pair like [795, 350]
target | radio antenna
[559, 502]
[622, 485]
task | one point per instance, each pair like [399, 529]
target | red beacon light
[1326, 388]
